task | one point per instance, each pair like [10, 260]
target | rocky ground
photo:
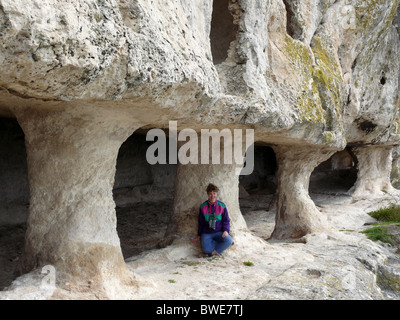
[340, 264]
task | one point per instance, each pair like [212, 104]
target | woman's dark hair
[212, 187]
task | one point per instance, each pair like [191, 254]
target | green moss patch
[379, 233]
[388, 228]
[308, 100]
[389, 214]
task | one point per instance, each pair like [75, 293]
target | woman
[214, 224]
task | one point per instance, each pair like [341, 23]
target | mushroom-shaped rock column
[72, 221]
[297, 214]
[374, 168]
[190, 191]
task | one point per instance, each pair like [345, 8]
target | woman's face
[212, 196]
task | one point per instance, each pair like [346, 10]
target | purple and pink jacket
[221, 215]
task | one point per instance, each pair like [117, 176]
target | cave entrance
[293, 25]
[336, 176]
[14, 197]
[143, 194]
[257, 191]
[223, 30]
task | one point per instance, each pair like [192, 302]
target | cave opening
[293, 27]
[143, 194]
[336, 176]
[14, 198]
[257, 192]
[223, 30]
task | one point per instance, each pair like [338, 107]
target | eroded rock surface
[309, 77]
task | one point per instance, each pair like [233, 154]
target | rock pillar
[190, 192]
[72, 221]
[297, 214]
[395, 174]
[374, 168]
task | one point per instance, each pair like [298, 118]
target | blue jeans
[214, 241]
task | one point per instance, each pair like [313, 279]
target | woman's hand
[197, 239]
[225, 234]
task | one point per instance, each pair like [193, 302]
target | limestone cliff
[310, 77]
